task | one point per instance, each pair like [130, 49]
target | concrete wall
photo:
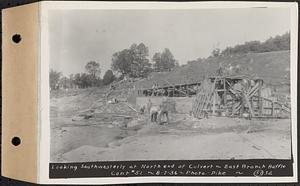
[183, 104]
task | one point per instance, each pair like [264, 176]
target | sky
[79, 36]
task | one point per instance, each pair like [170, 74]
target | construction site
[210, 116]
[231, 96]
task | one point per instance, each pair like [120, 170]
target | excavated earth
[84, 127]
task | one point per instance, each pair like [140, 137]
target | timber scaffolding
[231, 96]
[236, 96]
[170, 90]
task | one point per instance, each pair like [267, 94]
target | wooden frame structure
[232, 96]
[178, 90]
[236, 96]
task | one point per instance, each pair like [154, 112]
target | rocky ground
[85, 128]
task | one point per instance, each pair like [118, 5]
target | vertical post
[260, 103]
[225, 93]
[214, 104]
[180, 89]
[251, 103]
[174, 91]
[186, 90]
[272, 108]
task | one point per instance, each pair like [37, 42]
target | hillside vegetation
[277, 43]
[268, 60]
[272, 67]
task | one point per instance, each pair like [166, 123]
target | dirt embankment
[83, 116]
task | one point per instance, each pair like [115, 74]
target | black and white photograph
[170, 84]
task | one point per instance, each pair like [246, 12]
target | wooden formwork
[204, 99]
[236, 96]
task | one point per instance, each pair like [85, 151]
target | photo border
[44, 90]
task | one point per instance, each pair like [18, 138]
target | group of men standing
[158, 113]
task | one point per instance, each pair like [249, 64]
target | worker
[149, 105]
[154, 111]
[163, 111]
[142, 109]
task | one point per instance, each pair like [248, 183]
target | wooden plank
[260, 101]
[253, 90]
[249, 106]
[214, 104]
[130, 107]
[273, 110]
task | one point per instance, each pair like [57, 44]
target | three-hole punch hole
[16, 38]
[16, 141]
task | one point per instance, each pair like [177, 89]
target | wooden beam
[130, 107]
[273, 110]
[249, 106]
[214, 104]
[260, 104]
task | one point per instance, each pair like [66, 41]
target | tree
[164, 61]
[108, 77]
[140, 66]
[77, 80]
[157, 61]
[87, 80]
[216, 52]
[121, 61]
[93, 68]
[82, 80]
[71, 78]
[276, 43]
[64, 82]
[132, 62]
[54, 77]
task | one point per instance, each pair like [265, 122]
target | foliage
[121, 61]
[79, 80]
[93, 68]
[198, 60]
[133, 62]
[108, 77]
[272, 44]
[216, 52]
[141, 66]
[84, 80]
[54, 77]
[64, 82]
[164, 61]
